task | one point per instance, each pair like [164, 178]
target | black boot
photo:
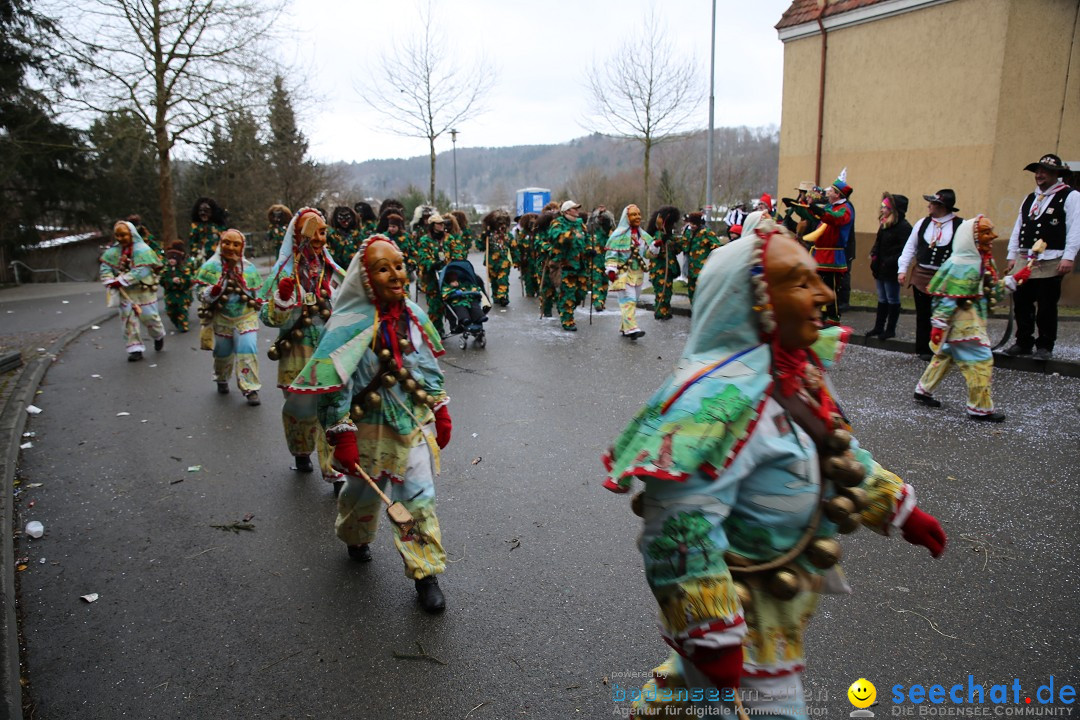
[879, 322]
[359, 553]
[430, 596]
[890, 324]
[303, 463]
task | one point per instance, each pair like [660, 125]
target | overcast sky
[540, 95]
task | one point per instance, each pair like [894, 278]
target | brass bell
[844, 470]
[406, 345]
[403, 373]
[839, 441]
[373, 400]
[746, 598]
[298, 333]
[357, 411]
[324, 313]
[857, 495]
[637, 504]
[838, 508]
[307, 321]
[285, 345]
[431, 401]
[421, 397]
[324, 293]
[784, 584]
[251, 303]
[385, 356]
[849, 523]
[410, 385]
[388, 380]
[823, 553]
[273, 353]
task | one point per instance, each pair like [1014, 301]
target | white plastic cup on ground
[35, 529]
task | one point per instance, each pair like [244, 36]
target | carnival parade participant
[964, 289]
[129, 271]
[749, 471]
[392, 225]
[495, 244]
[1050, 214]
[667, 244]
[566, 238]
[893, 232]
[929, 245]
[523, 253]
[601, 223]
[366, 222]
[228, 284]
[462, 240]
[344, 234]
[382, 403]
[550, 277]
[432, 256]
[700, 241]
[296, 301]
[277, 217]
[625, 266]
[177, 279]
[147, 236]
[207, 223]
[830, 246]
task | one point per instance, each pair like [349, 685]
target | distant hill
[746, 166]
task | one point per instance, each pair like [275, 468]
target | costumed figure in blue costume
[750, 471]
[129, 271]
[296, 299]
[382, 403]
[228, 284]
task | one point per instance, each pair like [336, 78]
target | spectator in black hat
[929, 245]
[1050, 214]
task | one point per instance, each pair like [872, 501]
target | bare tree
[177, 64]
[422, 90]
[643, 92]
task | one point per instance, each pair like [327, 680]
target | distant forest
[594, 169]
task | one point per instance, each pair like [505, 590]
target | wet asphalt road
[547, 599]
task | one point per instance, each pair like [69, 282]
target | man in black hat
[1050, 214]
[929, 245]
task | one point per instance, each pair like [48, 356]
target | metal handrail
[14, 265]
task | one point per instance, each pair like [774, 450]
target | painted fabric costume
[135, 268]
[392, 418]
[177, 279]
[596, 262]
[523, 253]
[343, 243]
[733, 478]
[431, 256]
[300, 320]
[495, 245]
[230, 309]
[625, 253]
[964, 289]
[663, 270]
[203, 238]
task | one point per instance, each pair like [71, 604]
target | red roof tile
[802, 11]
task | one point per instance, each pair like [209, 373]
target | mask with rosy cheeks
[385, 268]
[633, 216]
[314, 231]
[796, 292]
[984, 235]
[122, 233]
[231, 246]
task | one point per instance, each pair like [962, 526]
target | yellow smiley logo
[862, 693]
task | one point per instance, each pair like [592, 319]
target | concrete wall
[961, 94]
[79, 260]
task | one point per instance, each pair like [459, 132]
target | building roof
[803, 11]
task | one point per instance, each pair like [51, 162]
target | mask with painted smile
[796, 292]
[385, 267]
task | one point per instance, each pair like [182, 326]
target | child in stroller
[464, 301]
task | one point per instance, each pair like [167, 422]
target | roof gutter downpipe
[821, 93]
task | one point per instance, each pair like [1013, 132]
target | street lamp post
[453, 139]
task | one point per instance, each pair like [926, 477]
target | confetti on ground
[33, 409]
[26, 446]
[95, 375]
[90, 597]
[194, 468]
[29, 434]
[122, 414]
[95, 327]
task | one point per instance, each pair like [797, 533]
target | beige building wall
[960, 94]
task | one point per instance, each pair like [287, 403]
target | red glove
[611, 275]
[923, 529]
[937, 335]
[285, 287]
[346, 456]
[115, 284]
[443, 426]
[722, 666]
[1021, 275]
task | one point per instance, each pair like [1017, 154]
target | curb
[13, 420]
[1001, 360]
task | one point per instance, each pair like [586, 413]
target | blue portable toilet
[532, 200]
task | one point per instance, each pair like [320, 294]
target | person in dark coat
[884, 260]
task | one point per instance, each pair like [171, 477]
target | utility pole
[712, 102]
[453, 139]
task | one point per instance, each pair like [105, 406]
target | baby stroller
[465, 304]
